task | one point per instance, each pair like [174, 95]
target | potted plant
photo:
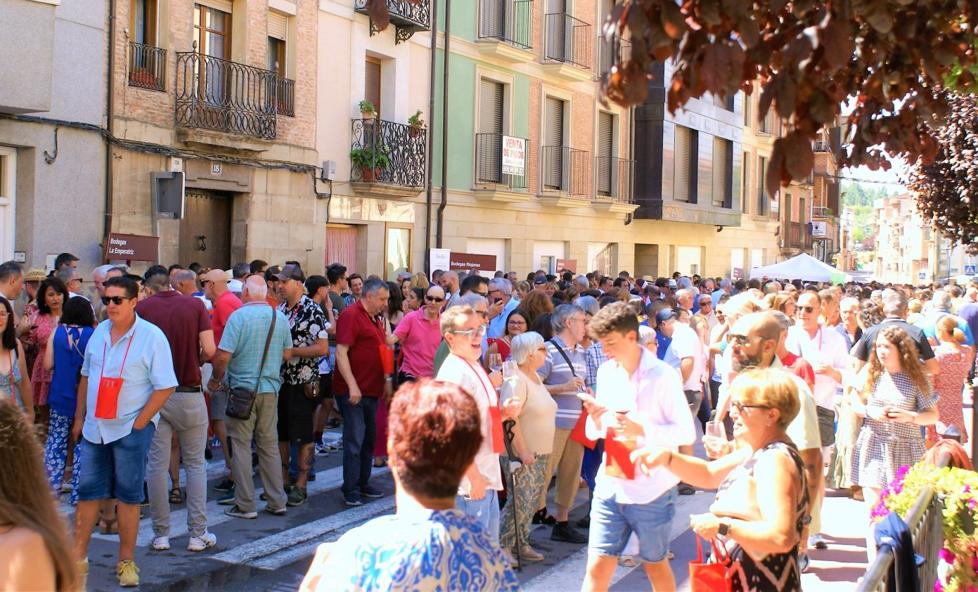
[367, 109]
[416, 123]
[143, 78]
[371, 161]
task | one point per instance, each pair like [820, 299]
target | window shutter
[491, 107]
[680, 184]
[222, 5]
[278, 26]
[761, 182]
[720, 158]
[554, 138]
[605, 162]
[745, 183]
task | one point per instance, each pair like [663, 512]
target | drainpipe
[444, 123]
[431, 136]
[107, 222]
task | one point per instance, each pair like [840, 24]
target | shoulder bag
[241, 400]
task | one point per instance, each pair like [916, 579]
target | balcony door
[142, 21]
[553, 142]
[371, 83]
[605, 151]
[558, 41]
[212, 32]
[491, 97]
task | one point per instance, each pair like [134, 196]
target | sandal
[109, 525]
[175, 496]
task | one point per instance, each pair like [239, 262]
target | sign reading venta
[514, 156]
[132, 247]
[472, 262]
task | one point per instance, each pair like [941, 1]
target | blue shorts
[612, 523]
[117, 469]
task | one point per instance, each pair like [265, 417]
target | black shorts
[325, 386]
[295, 415]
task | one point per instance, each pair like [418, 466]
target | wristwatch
[723, 529]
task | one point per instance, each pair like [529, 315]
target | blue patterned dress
[430, 550]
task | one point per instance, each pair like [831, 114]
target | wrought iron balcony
[568, 40]
[799, 236]
[615, 178]
[566, 170]
[387, 152]
[285, 97]
[407, 17]
[612, 51]
[821, 212]
[147, 66]
[229, 97]
[508, 21]
[489, 169]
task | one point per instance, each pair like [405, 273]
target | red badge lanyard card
[107, 402]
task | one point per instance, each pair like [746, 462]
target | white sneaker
[202, 542]
[161, 543]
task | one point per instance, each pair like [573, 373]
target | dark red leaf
[379, 13]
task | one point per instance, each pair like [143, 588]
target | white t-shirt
[686, 344]
[473, 379]
[827, 347]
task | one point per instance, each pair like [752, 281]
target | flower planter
[370, 174]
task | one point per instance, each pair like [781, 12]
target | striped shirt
[555, 370]
[595, 357]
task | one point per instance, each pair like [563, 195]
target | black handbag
[241, 401]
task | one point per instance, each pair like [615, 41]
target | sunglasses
[808, 309]
[741, 406]
[479, 332]
[739, 339]
[433, 299]
[116, 300]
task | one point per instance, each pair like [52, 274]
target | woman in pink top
[954, 360]
[419, 335]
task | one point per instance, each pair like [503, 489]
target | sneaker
[225, 486]
[274, 511]
[226, 500]
[352, 500]
[161, 543]
[584, 522]
[563, 531]
[803, 562]
[371, 492]
[528, 553]
[128, 573]
[202, 542]
[541, 517]
[236, 512]
[322, 449]
[297, 496]
[817, 541]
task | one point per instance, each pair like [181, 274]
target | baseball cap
[217, 275]
[665, 314]
[291, 272]
[539, 280]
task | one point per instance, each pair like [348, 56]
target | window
[278, 33]
[605, 153]
[8, 171]
[142, 21]
[745, 182]
[724, 102]
[684, 180]
[553, 145]
[212, 31]
[489, 144]
[722, 173]
[371, 83]
[748, 110]
[397, 251]
[762, 199]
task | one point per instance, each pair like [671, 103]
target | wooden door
[205, 230]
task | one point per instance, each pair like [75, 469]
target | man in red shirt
[358, 384]
[215, 285]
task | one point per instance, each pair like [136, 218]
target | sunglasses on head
[116, 300]
[434, 299]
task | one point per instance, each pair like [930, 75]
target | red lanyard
[485, 390]
[124, 356]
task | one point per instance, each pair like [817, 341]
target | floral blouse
[308, 324]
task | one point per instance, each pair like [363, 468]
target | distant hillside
[860, 197]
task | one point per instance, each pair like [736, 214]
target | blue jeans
[484, 511]
[359, 435]
[117, 469]
[613, 523]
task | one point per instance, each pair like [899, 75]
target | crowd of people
[479, 393]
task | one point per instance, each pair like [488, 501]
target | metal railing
[614, 178]
[798, 236]
[821, 212]
[925, 523]
[507, 21]
[568, 40]
[387, 152]
[226, 96]
[612, 51]
[566, 169]
[406, 16]
[285, 97]
[489, 162]
[147, 66]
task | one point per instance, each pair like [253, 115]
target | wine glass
[495, 362]
[509, 369]
[715, 437]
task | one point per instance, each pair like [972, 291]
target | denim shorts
[612, 523]
[117, 469]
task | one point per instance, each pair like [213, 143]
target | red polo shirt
[225, 304]
[364, 336]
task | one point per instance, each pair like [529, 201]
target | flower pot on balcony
[416, 131]
[143, 78]
[370, 174]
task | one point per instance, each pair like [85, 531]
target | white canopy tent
[802, 267]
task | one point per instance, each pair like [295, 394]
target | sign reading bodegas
[132, 247]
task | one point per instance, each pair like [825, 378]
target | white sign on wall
[440, 259]
[514, 156]
[820, 229]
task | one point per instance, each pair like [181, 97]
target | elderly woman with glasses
[533, 441]
[761, 502]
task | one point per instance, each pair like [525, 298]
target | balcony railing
[407, 17]
[489, 163]
[612, 51]
[229, 97]
[387, 152]
[507, 21]
[615, 178]
[568, 40]
[798, 236]
[566, 169]
[821, 212]
[147, 66]
[285, 97]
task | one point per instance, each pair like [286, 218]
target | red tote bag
[708, 577]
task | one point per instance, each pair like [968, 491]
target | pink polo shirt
[420, 339]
